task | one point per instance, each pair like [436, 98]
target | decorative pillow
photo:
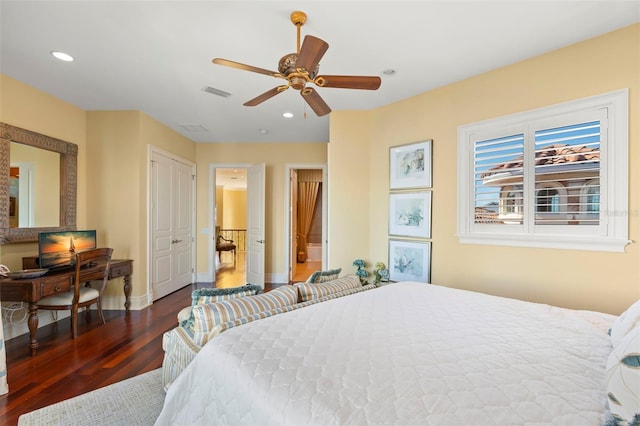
[324, 276]
[625, 323]
[203, 296]
[210, 315]
[623, 378]
[309, 291]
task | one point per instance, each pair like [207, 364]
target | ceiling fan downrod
[298, 19]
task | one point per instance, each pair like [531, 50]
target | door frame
[211, 249]
[325, 210]
[151, 149]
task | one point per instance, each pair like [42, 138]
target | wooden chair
[82, 296]
[224, 244]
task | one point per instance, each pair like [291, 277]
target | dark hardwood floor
[127, 345]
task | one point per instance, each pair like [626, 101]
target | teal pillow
[203, 296]
[324, 276]
[623, 379]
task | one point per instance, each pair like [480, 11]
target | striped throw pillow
[210, 315]
[309, 291]
[203, 296]
[324, 276]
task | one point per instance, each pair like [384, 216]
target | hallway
[230, 275]
[304, 270]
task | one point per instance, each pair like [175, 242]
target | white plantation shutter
[495, 159]
[567, 175]
[553, 177]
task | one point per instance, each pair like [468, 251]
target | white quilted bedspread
[406, 353]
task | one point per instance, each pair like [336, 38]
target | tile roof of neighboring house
[485, 215]
[551, 155]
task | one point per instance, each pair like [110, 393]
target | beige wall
[26, 107]
[112, 170]
[219, 203]
[350, 205]
[234, 209]
[118, 143]
[608, 282]
[275, 156]
[112, 182]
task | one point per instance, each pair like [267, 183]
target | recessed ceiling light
[62, 56]
[287, 115]
[263, 131]
[388, 72]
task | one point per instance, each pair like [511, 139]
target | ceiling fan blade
[238, 65]
[312, 50]
[348, 82]
[317, 104]
[266, 95]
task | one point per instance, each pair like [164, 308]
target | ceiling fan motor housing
[297, 79]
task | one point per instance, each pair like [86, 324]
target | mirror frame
[68, 181]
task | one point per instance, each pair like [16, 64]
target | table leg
[127, 292]
[33, 327]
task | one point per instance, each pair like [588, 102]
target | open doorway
[307, 221]
[230, 231]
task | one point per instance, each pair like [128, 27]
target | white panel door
[161, 226]
[183, 227]
[255, 224]
[171, 225]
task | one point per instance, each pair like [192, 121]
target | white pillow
[625, 323]
[623, 378]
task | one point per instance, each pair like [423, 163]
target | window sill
[548, 242]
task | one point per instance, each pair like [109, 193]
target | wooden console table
[35, 289]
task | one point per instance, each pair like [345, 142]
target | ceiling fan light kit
[301, 68]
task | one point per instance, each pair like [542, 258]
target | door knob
[260, 241]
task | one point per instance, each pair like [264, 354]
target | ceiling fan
[301, 68]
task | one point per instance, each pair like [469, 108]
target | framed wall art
[410, 166]
[410, 261]
[410, 214]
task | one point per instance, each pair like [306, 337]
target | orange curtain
[308, 185]
[307, 195]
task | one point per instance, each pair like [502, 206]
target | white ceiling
[155, 56]
[231, 178]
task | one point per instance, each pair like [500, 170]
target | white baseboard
[116, 303]
[277, 278]
[15, 322]
[203, 277]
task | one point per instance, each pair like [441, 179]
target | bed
[405, 353]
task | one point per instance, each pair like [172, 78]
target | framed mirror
[38, 184]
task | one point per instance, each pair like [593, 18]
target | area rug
[135, 401]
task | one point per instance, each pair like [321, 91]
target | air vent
[194, 128]
[215, 91]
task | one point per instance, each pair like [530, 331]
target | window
[551, 202]
[553, 177]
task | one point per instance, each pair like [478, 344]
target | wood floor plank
[129, 344]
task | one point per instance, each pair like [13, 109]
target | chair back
[84, 259]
